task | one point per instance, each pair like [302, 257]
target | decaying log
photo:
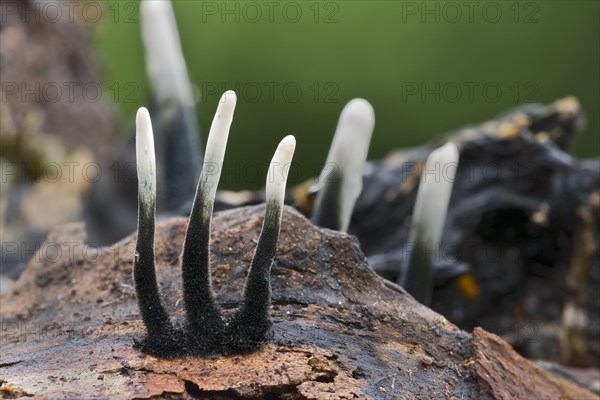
[520, 251]
[339, 332]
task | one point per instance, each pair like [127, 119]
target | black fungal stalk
[248, 328]
[160, 335]
[204, 325]
[429, 217]
[327, 211]
[418, 277]
[205, 332]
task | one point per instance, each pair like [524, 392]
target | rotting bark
[580, 344]
[339, 332]
[519, 252]
[498, 362]
[519, 255]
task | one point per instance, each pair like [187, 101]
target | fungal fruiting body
[203, 319]
[340, 182]
[251, 322]
[165, 63]
[174, 115]
[160, 332]
[429, 216]
[205, 331]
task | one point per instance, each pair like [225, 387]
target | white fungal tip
[285, 151]
[219, 130]
[350, 145]
[351, 142]
[151, 7]
[347, 156]
[352, 139]
[279, 169]
[446, 154]
[146, 165]
[227, 102]
[434, 192]
[159, 29]
[359, 113]
[164, 59]
[216, 145]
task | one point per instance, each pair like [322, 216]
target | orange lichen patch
[521, 120]
[305, 197]
[542, 137]
[409, 184]
[467, 286]
[567, 106]
[6, 389]
[508, 131]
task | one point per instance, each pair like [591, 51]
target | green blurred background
[427, 67]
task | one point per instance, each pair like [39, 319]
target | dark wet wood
[519, 254]
[340, 331]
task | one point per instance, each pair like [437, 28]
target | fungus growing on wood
[205, 331]
[204, 325]
[173, 110]
[428, 220]
[160, 334]
[340, 182]
[251, 322]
